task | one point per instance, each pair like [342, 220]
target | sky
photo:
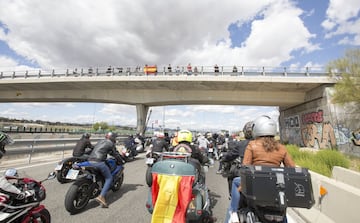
[81, 33]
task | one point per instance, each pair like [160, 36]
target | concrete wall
[320, 124]
[340, 204]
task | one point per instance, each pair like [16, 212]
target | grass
[322, 161]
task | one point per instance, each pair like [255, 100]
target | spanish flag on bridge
[171, 195]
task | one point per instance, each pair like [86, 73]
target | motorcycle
[63, 167]
[285, 187]
[195, 198]
[139, 145]
[151, 159]
[28, 209]
[88, 184]
[129, 153]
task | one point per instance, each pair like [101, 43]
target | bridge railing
[175, 70]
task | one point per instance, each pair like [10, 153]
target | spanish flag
[171, 195]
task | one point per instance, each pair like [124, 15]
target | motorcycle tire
[61, 176]
[78, 196]
[42, 216]
[119, 181]
[148, 176]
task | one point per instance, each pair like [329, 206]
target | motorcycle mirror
[51, 175]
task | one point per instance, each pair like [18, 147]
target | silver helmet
[264, 126]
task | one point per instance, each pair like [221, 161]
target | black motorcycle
[88, 184]
[63, 167]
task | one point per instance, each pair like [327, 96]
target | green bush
[320, 162]
[332, 158]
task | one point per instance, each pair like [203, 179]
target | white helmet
[264, 126]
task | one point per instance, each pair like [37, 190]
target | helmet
[5, 139]
[12, 172]
[264, 126]
[184, 136]
[86, 135]
[112, 136]
[248, 130]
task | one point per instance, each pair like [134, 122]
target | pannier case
[277, 186]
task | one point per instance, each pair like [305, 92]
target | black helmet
[86, 135]
[248, 130]
[112, 136]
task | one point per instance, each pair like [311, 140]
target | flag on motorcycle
[170, 196]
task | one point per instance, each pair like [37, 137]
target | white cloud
[102, 32]
[342, 18]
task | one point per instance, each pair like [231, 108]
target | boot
[102, 201]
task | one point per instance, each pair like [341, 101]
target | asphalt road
[127, 204]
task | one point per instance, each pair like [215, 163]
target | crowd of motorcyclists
[205, 148]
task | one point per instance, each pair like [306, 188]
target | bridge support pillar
[141, 113]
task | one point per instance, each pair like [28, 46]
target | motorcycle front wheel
[119, 181]
[42, 216]
[78, 196]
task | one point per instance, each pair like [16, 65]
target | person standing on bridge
[264, 150]
[98, 157]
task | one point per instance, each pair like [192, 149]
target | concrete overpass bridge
[265, 86]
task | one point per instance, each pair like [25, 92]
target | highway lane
[127, 204]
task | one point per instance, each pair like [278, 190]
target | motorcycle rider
[98, 157]
[159, 144]
[264, 150]
[130, 144]
[6, 187]
[186, 146]
[81, 146]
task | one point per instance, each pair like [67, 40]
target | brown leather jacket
[255, 154]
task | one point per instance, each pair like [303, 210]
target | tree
[100, 126]
[347, 89]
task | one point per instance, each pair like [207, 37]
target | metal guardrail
[166, 71]
[32, 146]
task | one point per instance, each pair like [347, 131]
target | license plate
[149, 161]
[211, 150]
[58, 167]
[72, 174]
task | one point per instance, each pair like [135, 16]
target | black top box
[277, 186]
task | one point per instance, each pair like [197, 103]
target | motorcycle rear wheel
[78, 196]
[61, 176]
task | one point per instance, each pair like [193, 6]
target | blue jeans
[105, 171]
[235, 198]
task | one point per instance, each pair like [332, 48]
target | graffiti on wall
[314, 130]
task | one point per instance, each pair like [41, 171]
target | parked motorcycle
[177, 174]
[63, 167]
[268, 191]
[30, 208]
[88, 184]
